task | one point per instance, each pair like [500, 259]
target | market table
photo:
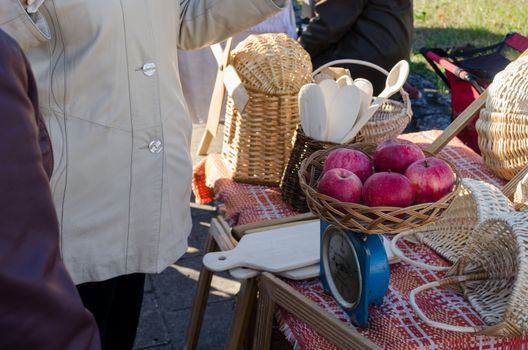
[392, 325]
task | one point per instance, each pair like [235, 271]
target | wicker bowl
[361, 218]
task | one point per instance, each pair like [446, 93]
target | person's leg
[98, 298]
[123, 320]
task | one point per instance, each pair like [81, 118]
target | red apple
[396, 155]
[388, 189]
[341, 184]
[431, 178]
[349, 159]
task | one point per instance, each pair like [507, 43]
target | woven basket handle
[427, 320]
[350, 61]
[397, 251]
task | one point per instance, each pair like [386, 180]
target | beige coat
[110, 93]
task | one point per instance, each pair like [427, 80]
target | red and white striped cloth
[393, 325]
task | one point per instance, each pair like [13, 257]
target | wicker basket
[503, 124]
[493, 275]
[303, 146]
[358, 217]
[477, 201]
[391, 118]
[257, 140]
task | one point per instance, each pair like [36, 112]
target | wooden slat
[458, 124]
[200, 300]
[244, 309]
[217, 100]
[240, 230]
[509, 189]
[308, 311]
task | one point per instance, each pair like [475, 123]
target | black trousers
[116, 305]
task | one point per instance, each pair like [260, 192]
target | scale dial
[341, 267]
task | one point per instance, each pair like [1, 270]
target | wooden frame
[274, 292]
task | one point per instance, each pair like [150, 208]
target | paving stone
[176, 286]
[197, 238]
[215, 326]
[151, 330]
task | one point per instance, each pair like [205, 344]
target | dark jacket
[39, 305]
[378, 31]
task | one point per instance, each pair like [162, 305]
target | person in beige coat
[110, 93]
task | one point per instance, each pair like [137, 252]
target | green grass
[451, 23]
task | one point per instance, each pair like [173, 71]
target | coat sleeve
[39, 305]
[28, 30]
[334, 19]
[205, 22]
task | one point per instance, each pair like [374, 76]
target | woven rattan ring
[361, 218]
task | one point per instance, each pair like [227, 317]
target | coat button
[149, 69]
[155, 146]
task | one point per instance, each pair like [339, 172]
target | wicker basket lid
[509, 91]
[272, 63]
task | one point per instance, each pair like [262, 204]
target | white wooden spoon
[312, 111]
[344, 113]
[395, 80]
[366, 91]
[330, 88]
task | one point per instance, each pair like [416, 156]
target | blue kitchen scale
[354, 269]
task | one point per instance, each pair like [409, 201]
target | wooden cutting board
[277, 250]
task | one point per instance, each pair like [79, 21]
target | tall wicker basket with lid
[257, 141]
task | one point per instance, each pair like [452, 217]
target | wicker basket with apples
[385, 188]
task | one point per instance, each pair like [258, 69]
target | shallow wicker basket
[361, 218]
[257, 141]
[493, 275]
[477, 201]
[503, 124]
[303, 146]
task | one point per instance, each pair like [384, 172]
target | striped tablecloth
[392, 325]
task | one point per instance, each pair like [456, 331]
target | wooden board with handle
[279, 250]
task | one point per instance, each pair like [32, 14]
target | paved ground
[169, 295]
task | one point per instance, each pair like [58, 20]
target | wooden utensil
[217, 100]
[279, 250]
[330, 89]
[344, 112]
[395, 80]
[366, 90]
[312, 111]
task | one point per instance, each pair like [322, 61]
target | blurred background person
[198, 68]
[377, 31]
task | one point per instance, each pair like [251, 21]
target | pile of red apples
[399, 175]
